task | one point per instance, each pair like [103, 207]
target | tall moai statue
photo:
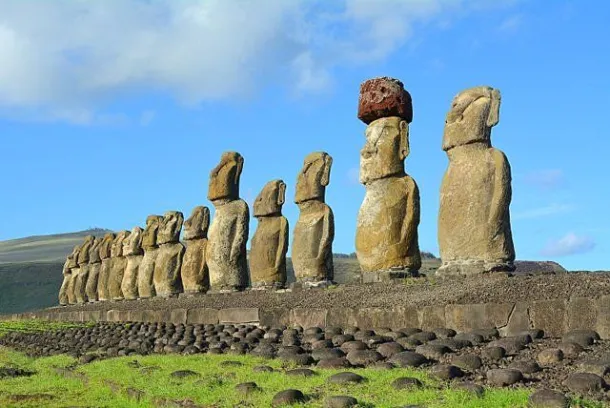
[474, 231]
[386, 232]
[226, 251]
[146, 273]
[67, 274]
[132, 250]
[95, 266]
[80, 285]
[73, 265]
[270, 242]
[103, 282]
[169, 260]
[195, 276]
[119, 263]
[312, 255]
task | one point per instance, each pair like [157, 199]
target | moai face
[94, 252]
[270, 199]
[386, 147]
[117, 245]
[133, 243]
[149, 236]
[196, 227]
[73, 257]
[313, 178]
[169, 230]
[224, 179]
[106, 245]
[472, 115]
[83, 256]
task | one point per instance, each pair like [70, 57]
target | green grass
[31, 326]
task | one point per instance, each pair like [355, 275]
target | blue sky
[113, 110]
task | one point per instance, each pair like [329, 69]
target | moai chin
[169, 260]
[74, 269]
[270, 242]
[312, 255]
[80, 284]
[64, 295]
[474, 230]
[195, 277]
[146, 273]
[118, 265]
[226, 249]
[386, 232]
[132, 250]
[95, 266]
[103, 282]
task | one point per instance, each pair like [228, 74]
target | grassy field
[59, 381]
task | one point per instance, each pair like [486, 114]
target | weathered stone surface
[238, 315]
[386, 231]
[194, 272]
[315, 229]
[146, 273]
[431, 317]
[308, 317]
[132, 250]
[169, 259]
[80, 283]
[504, 376]
[546, 398]
[478, 316]
[228, 235]
[581, 313]
[118, 264]
[518, 321]
[103, 282]
[95, 265]
[474, 229]
[383, 97]
[270, 242]
[178, 316]
[66, 294]
[584, 383]
[202, 316]
[550, 316]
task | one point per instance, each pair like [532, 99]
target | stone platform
[553, 303]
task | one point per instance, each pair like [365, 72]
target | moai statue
[146, 273]
[118, 265]
[73, 266]
[95, 266]
[270, 241]
[132, 250]
[386, 232]
[103, 282]
[195, 277]
[169, 260]
[474, 231]
[67, 273]
[312, 255]
[80, 284]
[226, 251]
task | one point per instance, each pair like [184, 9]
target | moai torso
[474, 222]
[314, 231]
[95, 265]
[146, 285]
[80, 284]
[226, 249]
[132, 250]
[118, 264]
[103, 282]
[270, 241]
[195, 277]
[169, 260]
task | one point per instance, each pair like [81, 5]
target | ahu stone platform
[553, 303]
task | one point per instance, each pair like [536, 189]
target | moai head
[117, 245]
[473, 113]
[313, 177]
[83, 255]
[133, 243]
[196, 227]
[270, 199]
[169, 230]
[149, 236]
[106, 246]
[73, 257]
[224, 179]
[386, 147]
[94, 251]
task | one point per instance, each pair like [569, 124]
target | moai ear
[281, 193]
[328, 162]
[240, 166]
[494, 108]
[404, 140]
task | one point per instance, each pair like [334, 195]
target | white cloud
[570, 244]
[62, 60]
[549, 210]
[547, 179]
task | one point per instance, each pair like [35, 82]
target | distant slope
[43, 248]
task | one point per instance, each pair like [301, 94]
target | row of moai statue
[473, 230]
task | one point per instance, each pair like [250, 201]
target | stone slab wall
[555, 317]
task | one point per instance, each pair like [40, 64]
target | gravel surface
[417, 292]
